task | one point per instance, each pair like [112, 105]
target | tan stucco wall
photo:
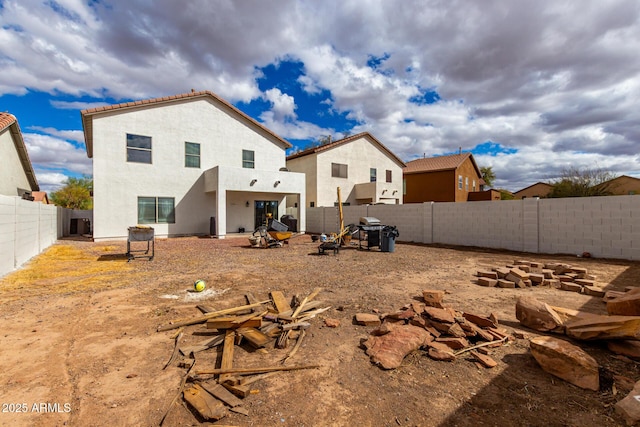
[441, 186]
[536, 190]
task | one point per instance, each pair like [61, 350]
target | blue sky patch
[491, 148]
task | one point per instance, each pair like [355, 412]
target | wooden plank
[204, 345]
[239, 390]
[209, 408]
[205, 308]
[204, 318]
[231, 323]
[219, 392]
[254, 378]
[227, 354]
[255, 370]
[288, 315]
[280, 301]
[308, 298]
[256, 338]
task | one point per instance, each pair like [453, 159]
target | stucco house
[449, 178]
[189, 164]
[539, 189]
[17, 177]
[622, 185]
[366, 171]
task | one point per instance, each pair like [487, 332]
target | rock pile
[443, 332]
[523, 274]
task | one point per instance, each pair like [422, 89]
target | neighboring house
[40, 197]
[622, 185]
[539, 189]
[17, 177]
[189, 164]
[449, 178]
[366, 171]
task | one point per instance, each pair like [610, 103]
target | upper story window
[388, 176]
[138, 148]
[373, 175]
[474, 185]
[338, 170]
[466, 183]
[191, 155]
[459, 182]
[248, 159]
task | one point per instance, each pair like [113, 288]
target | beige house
[189, 164]
[623, 185]
[539, 189]
[366, 171]
[17, 177]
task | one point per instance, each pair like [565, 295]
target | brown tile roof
[439, 163]
[325, 147]
[40, 196]
[9, 121]
[87, 115]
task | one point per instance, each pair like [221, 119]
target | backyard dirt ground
[79, 344]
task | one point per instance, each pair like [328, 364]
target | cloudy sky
[529, 87]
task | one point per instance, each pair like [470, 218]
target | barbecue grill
[141, 234]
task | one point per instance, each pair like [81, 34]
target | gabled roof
[544, 184]
[87, 115]
[440, 163]
[40, 196]
[343, 141]
[9, 121]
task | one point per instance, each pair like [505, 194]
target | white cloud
[55, 154]
[558, 81]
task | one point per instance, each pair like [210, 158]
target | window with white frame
[191, 155]
[156, 210]
[459, 182]
[474, 185]
[466, 183]
[373, 175]
[248, 159]
[138, 148]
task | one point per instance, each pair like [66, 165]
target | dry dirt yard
[80, 346]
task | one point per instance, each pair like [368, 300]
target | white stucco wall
[360, 155]
[222, 137]
[12, 175]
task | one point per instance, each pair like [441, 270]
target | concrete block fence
[606, 227]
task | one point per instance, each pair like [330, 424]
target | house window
[335, 204]
[389, 176]
[338, 170]
[474, 185]
[312, 204]
[138, 148]
[466, 183]
[191, 155]
[248, 159]
[404, 186]
[459, 182]
[156, 210]
[373, 175]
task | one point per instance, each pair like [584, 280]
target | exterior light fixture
[253, 181]
[275, 184]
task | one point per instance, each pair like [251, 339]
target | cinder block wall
[606, 227]
[26, 229]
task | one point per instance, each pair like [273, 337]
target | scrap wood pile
[444, 332]
[212, 392]
[523, 274]
[619, 329]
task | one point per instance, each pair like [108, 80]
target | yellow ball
[199, 285]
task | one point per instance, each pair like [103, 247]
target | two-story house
[366, 171]
[539, 189]
[17, 177]
[451, 178]
[189, 164]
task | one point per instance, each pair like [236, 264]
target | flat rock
[487, 282]
[627, 304]
[484, 360]
[483, 322]
[454, 343]
[593, 291]
[537, 315]
[487, 273]
[567, 361]
[441, 352]
[625, 347]
[570, 286]
[504, 283]
[439, 314]
[331, 323]
[587, 326]
[629, 407]
[367, 319]
[390, 349]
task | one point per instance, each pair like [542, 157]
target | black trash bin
[290, 222]
[389, 234]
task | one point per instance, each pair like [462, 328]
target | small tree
[487, 175]
[76, 194]
[583, 182]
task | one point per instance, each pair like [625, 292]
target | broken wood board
[221, 393]
[209, 408]
[229, 322]
[227, 355]
[204, 345]
[256, 338]
[280, 302]
[204, 318]
[248, 371]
